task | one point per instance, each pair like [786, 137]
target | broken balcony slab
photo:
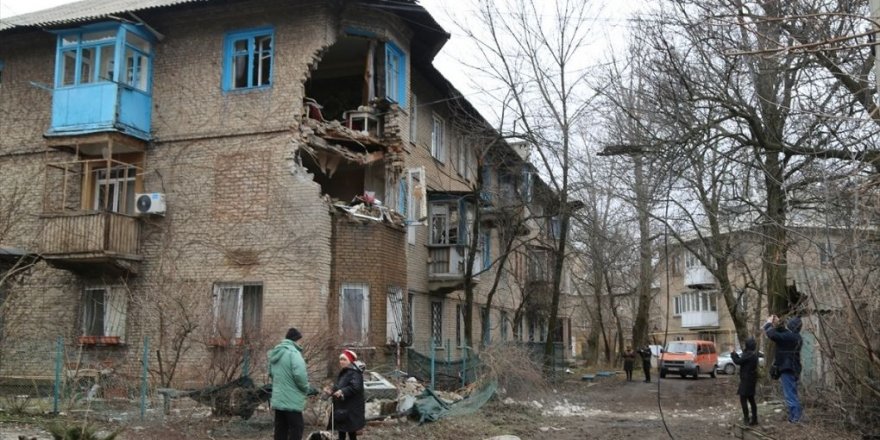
[379, 388]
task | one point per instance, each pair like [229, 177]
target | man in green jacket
[290, 386]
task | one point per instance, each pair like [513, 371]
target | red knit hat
[350, 355]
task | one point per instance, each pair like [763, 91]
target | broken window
[82, 54]
[413, 201]
[103, 315]
[445, 223]
[395, 74]
[137, 62]
[248, 59]
[437, 323]
[238, 310]
[438, 139]
[354, 313]
[86, 57]
[503, 321]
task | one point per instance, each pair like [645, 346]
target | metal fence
[58, 377]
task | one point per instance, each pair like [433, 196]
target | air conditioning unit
[150, 203]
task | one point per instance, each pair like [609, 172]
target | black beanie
[293, 334]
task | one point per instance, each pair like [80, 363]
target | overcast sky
[611, 21]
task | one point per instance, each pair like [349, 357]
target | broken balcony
[88, 217]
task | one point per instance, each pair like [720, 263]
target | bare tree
[532, 51]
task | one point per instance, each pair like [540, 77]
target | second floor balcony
[446, 266]
[103, 81]
[697, 309]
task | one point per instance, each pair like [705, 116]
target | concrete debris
[504, 437]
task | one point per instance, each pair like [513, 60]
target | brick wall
[370, 253]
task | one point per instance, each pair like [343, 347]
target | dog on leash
[320, 435]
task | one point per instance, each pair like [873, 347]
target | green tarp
[429, 407]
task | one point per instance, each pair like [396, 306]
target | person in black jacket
[645, 353]
[348, 397]
[748, 378]
[787, 360]
[629, 359]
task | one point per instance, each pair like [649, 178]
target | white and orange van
[688, 358]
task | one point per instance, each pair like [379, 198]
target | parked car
[689, 358]
[726, 365]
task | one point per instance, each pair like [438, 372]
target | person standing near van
[787, 360]
[748, 378]
[645, 353]
[629, 359]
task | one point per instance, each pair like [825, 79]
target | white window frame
[676, 305]
[238, 290]
[119, 185]
[416, 200]
[438, 138]
[365, 312]
[114, 311]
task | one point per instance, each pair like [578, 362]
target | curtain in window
[227, 314]
[93, 312]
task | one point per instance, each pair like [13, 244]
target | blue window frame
[395, 74]
[248, 58]
[91, 54]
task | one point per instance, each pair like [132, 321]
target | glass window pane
[252, 312]
[105, 71]
[69, 39]
[98, 36]
[239, 72]
[93, 312]
[68, 67]
[88, 60]
[227, 316]
[137, 42]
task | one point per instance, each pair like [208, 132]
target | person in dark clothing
[629, 359]
[645, 353]
[748, 378]
[349, 405]
[787, 360]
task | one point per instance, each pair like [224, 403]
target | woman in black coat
[348, 398]
[748, 378]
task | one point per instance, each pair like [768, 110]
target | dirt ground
[609, 408]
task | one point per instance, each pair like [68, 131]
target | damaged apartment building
[201, 175]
